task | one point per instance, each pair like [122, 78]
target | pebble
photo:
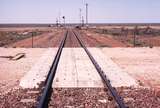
[33, 92]
[103, 101]
[69, 107]
[128, 99]
[28, 100]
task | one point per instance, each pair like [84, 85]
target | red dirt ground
[153, 41]
[144, 41]
[51, 39]
[97, 40]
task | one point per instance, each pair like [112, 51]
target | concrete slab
[39, 71]
[66, 74]
[76, 70]
[117, 76]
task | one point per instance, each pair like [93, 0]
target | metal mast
[86, 13]
[80, 16]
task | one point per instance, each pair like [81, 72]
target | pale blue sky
[100, 11]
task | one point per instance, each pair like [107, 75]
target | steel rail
[106, 81]
[43, 103]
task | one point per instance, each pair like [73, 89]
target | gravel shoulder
[81, 98]
[101, 98]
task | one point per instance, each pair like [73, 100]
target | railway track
[44, 99]
[43, 103]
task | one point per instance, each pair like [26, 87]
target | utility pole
[86, 14]
[64, 20]
[134, 39]
[135, 34]
[80, 16]
[82, 21]
[57, 22]
[59, 17]
[32, 39]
